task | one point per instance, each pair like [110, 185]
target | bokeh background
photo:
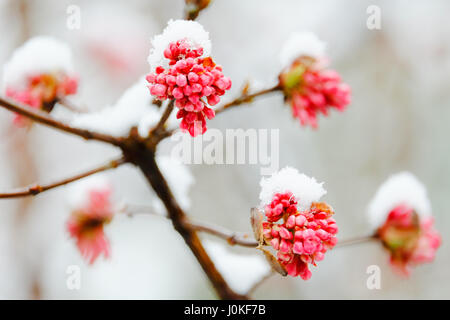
[398, 120]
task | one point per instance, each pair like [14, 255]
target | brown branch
[260, 282]
[138, 153]
[231, 237]
[45, 119]
[357, 240]
[193, 8]
[164, 117]
[71, 106]
[36, 189]
[246, 98]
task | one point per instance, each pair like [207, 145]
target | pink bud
[209, 113]
[187, 90]
[158, 89]
[177, 93]
[189, 107]
[300, 220]
[207, 91]
[333, 228]
[318, 256]
[285, 246]
[181, 80]
[323, 235]
[197, 87]
[192, 77]
[298, 247]
[213, 99]
[171, 80]
[290, 223]
[151, 78]
[275, 242]
[285, 233]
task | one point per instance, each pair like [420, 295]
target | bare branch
[164, 117]
[233, 238]
[357, 240]
[252, 290]
[246, 98]
[36, 189]
[71, 106]
[144, 158]
[46, 119]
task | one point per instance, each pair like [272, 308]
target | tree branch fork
[141, 153]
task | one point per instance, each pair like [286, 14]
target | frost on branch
[39, 73]
[308, 86]
[298, 227]
[134, 108]
[401, 213]
[182, 70]
[92, 207]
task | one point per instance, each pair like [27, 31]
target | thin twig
[256, 285]
[357, 240]
[164, 117]
[46, 119]
[246, 98]
[232, 238]
[36, 189]
[71, 106]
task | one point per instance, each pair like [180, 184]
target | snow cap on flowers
[306, 190]
[39, 55]
[301, 44]
[133, 108]
[78, 196]
[191, 31]
[401, 188]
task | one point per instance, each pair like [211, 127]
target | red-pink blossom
[311, 89]
[42, 92]
[190, 80]
[302, 238]
[86, 224]
[410, 240]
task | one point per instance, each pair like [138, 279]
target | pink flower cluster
[410, 242]
[42, 92]
[303, 237]
[188, 79]
[86, 224]
[313, 90]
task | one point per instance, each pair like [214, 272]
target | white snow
[78, 194]
[301, 44]
[239, 270]
[134, 108]
[191, 31]
[305, 189]
[400, 188]
[41, 54]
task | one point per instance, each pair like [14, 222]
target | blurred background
[398, 120]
